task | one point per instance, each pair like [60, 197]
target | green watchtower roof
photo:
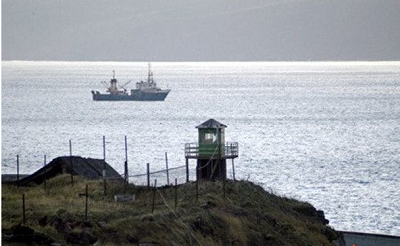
[211, 123]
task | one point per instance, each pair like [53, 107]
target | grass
[248, 215]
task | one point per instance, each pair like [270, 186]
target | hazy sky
[200, 30]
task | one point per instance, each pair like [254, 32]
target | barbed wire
[159, 171]
[179, 219]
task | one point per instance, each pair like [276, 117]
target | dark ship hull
[135, 96]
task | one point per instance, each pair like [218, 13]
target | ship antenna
[149, 73]
[113, 74]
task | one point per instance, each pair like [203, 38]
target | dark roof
[211, 123]
[9, 178]
[85, 167]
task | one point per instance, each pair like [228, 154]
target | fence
[170, 177]
[164, 176]
[154, 198]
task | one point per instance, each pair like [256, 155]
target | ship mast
[113, 85]
[150, 74]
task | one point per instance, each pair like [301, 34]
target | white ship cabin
[148, 85]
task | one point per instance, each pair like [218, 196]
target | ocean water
[326, 133]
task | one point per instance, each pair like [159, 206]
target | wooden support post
[126, 175]
[223, 187]
[71, 162]
[187, 169]
[219, 151]
[23, 209]
[197, 171]
[104, 186]
[104, 167]
[104, 148]
[214, 166]
[154, 195]
[176, 193]
[126, 161]
[18, 170]
[45, 174]
[70, 148]
[166, 164]
[104, 179]
[148, 176]
[86, 202]
[233, 170]
[197, 184]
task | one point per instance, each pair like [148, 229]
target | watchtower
[211, 151]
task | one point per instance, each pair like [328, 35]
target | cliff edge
[245, 215]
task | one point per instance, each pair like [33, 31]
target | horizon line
[220, 61]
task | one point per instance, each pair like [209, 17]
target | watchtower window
[210, 138]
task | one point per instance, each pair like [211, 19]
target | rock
[311, 212]
[321, 217]
[339, 241]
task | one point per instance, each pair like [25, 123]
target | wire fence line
[155, 172]
[182, 173]
[177, 217]
[163, 176]
[167, 176]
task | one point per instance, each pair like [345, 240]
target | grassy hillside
[247, 215]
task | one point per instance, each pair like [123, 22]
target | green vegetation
[248, 215]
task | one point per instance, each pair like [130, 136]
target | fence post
[176, 193]
[223, 187]
[104, 185]
[154, 195]
[104, 179]
[187, 169]
[104, 167]
[197, 184]
[23, 209]
[148, 176]
[126, 175]
[45, 174]
[233, 170]
[104, 147]
[126, 161]
[18, 170]
[166, 164]
[86, 203]
[72, 165]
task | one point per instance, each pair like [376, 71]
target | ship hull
[139, 96]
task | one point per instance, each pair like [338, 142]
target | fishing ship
[144, 91]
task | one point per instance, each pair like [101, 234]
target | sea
[323, 132]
